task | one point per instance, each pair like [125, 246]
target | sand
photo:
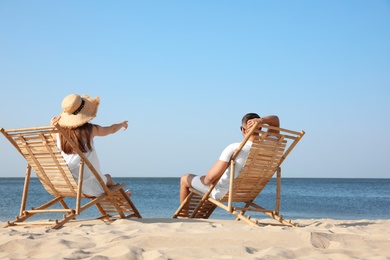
[198, 239]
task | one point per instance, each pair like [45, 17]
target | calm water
[301, 198]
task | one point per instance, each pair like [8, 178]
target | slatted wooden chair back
[262, 162]
[270, 148]
[41, 152]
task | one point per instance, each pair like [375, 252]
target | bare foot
[128, 192]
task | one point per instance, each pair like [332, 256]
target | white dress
[91, 186]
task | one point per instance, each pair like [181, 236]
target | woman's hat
[78, 110]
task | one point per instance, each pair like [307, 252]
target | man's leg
[185, 185]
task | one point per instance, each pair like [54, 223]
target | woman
[77, 112]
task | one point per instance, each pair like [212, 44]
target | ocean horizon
[301, 198]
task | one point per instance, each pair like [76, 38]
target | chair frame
[199, 205]
[45, 158]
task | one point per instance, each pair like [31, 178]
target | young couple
[77, 113]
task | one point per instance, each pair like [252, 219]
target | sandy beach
[198, 239]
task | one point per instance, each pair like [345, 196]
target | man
[221, 167]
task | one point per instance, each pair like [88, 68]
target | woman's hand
[54, 120]
[125, 125]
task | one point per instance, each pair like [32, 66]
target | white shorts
[198, 185]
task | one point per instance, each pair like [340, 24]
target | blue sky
[184, 73]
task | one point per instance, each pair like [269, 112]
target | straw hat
[78, 110]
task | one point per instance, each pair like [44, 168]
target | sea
[301, 198]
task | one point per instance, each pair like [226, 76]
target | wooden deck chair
[265, 157]
[43, 157]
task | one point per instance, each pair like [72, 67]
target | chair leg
[26, 214]
[25, 189]
[66, 219]
[243, 211]
[184, 207]
[278, 188]
[247, 220]
[131, 204]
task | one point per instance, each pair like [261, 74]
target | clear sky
[184, 73]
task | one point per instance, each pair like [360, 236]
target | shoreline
[165, 238]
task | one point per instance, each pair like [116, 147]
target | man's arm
[267, 120]
[215, 172]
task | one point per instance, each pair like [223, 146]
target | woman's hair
[249, 116]
[81, 136]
